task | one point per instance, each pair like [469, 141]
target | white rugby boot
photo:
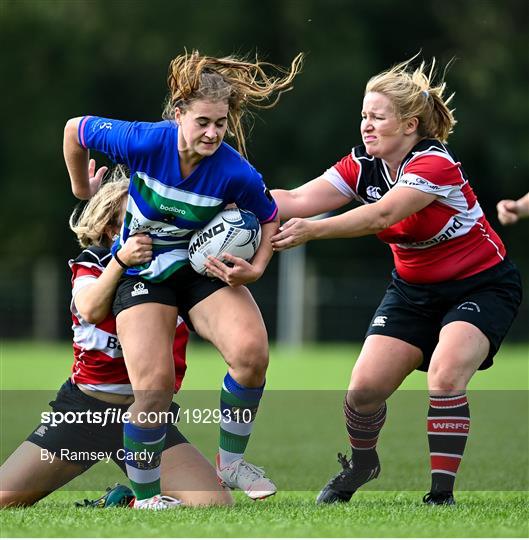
[158, 502]
[246, 477]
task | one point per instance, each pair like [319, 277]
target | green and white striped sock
[238, 405]
[143, 454]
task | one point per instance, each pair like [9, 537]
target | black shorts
[415, 313]
[183, 289]
[72, 438]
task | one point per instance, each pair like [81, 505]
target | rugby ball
[233, 231]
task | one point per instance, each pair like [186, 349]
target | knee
[222, 498]
[219, 498]
[250, 356]
[151, 369]
[365, 395]
[154, 377]
[152, 400]
[446, 379]
[6, 499]
[208, 498]
[10, 499]
[162, 381]
[365, 401]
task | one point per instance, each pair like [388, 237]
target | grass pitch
[298, 452]
[373, 514]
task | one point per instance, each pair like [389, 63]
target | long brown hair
[240, 82]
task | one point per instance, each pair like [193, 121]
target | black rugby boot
[439, 498]
[342, 487]
[118, 495]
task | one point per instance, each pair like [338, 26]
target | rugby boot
[439, 498]
[158, 502]
[342, 487]
[247, 477]
[119, 495]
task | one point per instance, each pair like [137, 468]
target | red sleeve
[179, 352]
[436, 169]
[80, 270]
[349, 170]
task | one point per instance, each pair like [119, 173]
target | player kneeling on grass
[99, 384]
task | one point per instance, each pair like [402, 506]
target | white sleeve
[81, 282]
[335, 178]
[417, 182]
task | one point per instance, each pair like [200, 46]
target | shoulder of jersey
[156, 135]
[233, 160]
[359, 152]
[94, 255]
[423, 146]
[428, 145]
[161, 125]
[230, 154]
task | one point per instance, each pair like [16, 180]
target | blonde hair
[239, 82]
[414, 93]
[102, 213]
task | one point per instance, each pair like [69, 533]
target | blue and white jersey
[162, 203]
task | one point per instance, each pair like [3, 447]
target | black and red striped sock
[363, 433]
[448, 427]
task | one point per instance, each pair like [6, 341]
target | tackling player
[99, 382]
[454, 293]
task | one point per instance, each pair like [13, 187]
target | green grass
[372, 514]
[30, 365]
[298, 433]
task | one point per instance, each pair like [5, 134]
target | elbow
[91, 315]
[94, 318]
[73, 124]
[71, 128]
[75, 156]
[380, 226]
[382, 221]
[288, 206]
[79, 193]
[92, 305]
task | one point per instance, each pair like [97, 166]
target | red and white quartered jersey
[98, 358]
[450, 239]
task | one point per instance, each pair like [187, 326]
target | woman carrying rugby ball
[182, 174]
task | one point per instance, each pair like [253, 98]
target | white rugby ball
[233, 231]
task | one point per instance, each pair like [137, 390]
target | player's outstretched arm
[315, 197]
[373, 218]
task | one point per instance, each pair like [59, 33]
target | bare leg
[187, 475]
[231, 320]
[146, 333]
[25, 478]
[382, 366]
[462, 348]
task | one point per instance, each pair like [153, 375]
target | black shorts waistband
[98, 404]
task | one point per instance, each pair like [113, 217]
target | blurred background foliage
[66, 58]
